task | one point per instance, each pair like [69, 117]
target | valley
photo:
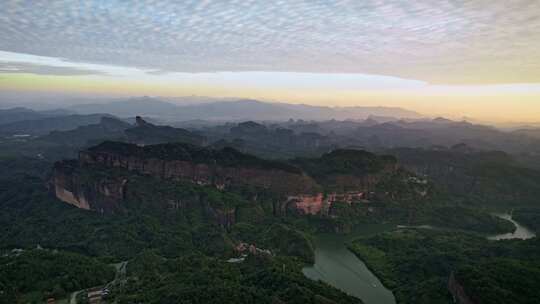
[336, 265]
[521, 232]
[270, 152]
[191, 210]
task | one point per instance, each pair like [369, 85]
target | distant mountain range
[110, 128]
[236, 110]
[271, 130]
[36, 124]
[19, 114]
[426, 133]
[532, 132]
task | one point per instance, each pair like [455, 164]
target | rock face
[73, 183]
[214, 170]
[69, 185]
[98, 180]
[64, 184]
[309, 204]
[457, 291]
[319, 203]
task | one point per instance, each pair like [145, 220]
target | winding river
[337, 266]
[521, 232]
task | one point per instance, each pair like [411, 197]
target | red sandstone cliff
[73, 181]
[205, 174]
[68, 185]
[76, 183]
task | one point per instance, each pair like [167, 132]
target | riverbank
[337, 266]
[416, 265]
[521, 232]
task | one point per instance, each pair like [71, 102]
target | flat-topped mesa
[348, 170]
[351, 177]
[345, 176]
[221, 168]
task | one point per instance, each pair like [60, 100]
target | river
[521, 232]
[337, 266]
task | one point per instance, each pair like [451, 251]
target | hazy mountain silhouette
[42, 126]
[20, 113]
[244, 109]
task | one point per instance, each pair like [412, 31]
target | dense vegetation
[34, 275]
[501, 281]
[530, 217]
[475, 178]
[227, 157]
[200, 279]
[177, 237]
[170, 218]
[417, 263]
[174, 221]
[345, 162]
[466, 219]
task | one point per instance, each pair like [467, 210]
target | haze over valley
[375, 152]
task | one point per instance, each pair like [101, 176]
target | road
[119, 276]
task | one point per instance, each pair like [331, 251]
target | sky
[473, 58]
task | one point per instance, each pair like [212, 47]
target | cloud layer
[459, 41]
[39, 69]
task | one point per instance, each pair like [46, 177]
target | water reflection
[337, 266]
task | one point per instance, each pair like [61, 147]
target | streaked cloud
[477, 58]
[11, 63]
[458, 41]
[26, 63]
[15, 67]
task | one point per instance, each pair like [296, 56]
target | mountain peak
[442, 120]
[139, 121]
